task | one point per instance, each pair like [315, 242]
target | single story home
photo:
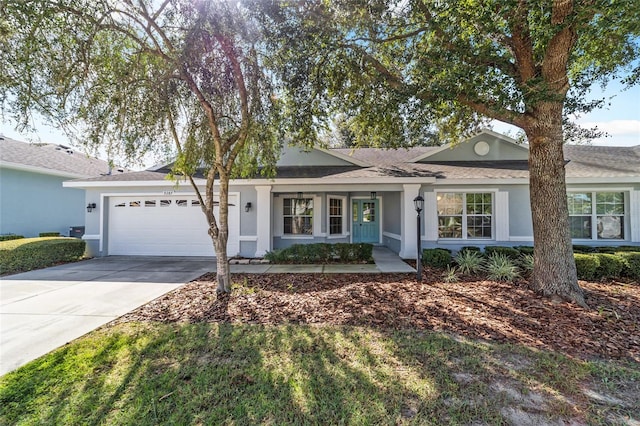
[32, 198]
[476, 193]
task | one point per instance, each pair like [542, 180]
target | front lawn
[345, 349]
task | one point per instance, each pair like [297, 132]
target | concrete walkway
[44, 309]
[385, 260]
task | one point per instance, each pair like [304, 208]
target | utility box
[76, 231]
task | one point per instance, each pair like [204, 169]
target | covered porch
[381, 214]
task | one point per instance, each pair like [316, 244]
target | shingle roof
[602, 161]
[142, 176]
[54, 158]
[582, 161]
[385, 157]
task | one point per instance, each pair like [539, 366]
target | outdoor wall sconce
[90, 207]
[374, 194]
[247, 207]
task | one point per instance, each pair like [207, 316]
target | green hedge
[510, 252]
[320, 253]
[49, 234]
[632, 264]
[611, 266]
[586, 265]
[605, 249]
[524, 249]
[33, 253]
[436, 258]
[11, 237]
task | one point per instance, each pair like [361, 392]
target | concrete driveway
[45, 309]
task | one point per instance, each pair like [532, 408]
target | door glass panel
[368, 212]
[355, 211]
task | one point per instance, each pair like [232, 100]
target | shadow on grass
[226, 373]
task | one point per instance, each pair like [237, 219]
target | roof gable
[485, 146]
[298, 156]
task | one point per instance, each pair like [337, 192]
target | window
[195, 203]
[465, 216]
[604, 209]
[336, 207]
[181, 203]
[150, 203]
[298, 216]
[134, 203]
[165, 203]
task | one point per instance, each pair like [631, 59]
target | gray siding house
[32, 197]
[476, 193]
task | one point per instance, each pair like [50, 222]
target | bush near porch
[592, 263]
[321, 253]
[33, 253]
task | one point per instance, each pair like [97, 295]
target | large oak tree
[408, 68]
[139, 74]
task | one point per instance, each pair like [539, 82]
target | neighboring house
[32, 198]
[476, 193]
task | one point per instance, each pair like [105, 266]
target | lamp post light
[418, 202]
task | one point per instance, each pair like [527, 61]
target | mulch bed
[494, 311]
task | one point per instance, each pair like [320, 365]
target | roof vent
[64, 147]
[69, 151]
[1, 137]
[121, 170]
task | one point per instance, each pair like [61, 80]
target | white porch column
[263, 210]
[409, 242]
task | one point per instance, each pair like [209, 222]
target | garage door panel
[165, 226]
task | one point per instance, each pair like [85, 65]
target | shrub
[586, 265]
[322, 253]
[450, 275]
[276, 256]
[635, 249]
[469, 261]
[606, 249]
[10, 237]
[631, 264]
[470, 248]
[33, 253]
[526, 262]
[510, 252]
[611, 266]
[500, 267]
[49, 234]
[584, 249]
[437, 257]
[524, 249]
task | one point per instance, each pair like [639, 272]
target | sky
[620, 119]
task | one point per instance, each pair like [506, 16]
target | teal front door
[365, 221]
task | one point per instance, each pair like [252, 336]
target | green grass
[249, 374]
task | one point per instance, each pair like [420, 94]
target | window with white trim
[604, 209]
[336, 215]
[465, 215]
[297, 216]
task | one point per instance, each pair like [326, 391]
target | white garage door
[165, 226]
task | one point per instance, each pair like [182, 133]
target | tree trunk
[554, 272]
[223, 273]
[219, 229]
